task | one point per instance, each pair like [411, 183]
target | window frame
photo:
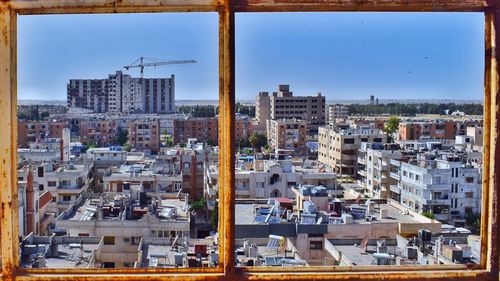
[490, 217]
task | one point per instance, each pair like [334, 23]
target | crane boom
[139, 63]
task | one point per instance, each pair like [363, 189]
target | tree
[429, 215]
[214, 217]
[122, 137]
[127, 147]
[257, 140]
[392, 125]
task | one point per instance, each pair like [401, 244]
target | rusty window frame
[490, 223]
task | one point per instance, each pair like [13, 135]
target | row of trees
[411, 109]
[33, 114]
[212, 110]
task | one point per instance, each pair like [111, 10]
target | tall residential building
[338, 148]
[36, 131]
[123, 93]
[284, 105]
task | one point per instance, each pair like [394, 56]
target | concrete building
[440, 184]
[269, 178]
[337, 111]
[287, 134]
[284, 105]
[435, 129]
[374, 168]
[123, 93]
[206, 130]
[36, 131]
[98, 132]
[123, 219]
[65, 181]
[338, 148]
[144, 135]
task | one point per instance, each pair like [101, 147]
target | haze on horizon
[345, 56]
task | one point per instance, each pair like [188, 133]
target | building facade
[145, 135]
[123, 93]
[338, 148]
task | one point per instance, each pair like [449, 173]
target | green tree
[257, 140]
[127, 147]
[429, 215]
[45, 114]
[122, 137]
[198, 205]
[392, 125]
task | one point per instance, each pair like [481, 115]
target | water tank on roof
[304, 190]
[319, 191]
[309, 207]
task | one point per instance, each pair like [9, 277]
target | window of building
[109, 240]
[316, 245]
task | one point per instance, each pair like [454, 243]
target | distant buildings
[337, 111]
[338, 148]
[122, 93]
[436, 129]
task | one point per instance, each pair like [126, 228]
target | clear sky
[342, 55]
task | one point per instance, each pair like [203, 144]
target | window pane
[367, 138]
[107, 178]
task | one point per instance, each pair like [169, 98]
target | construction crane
[140, 63]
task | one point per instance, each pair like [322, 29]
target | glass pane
[112, 163]
[367, 138]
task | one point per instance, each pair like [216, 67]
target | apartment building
[272, 178]
[440, 184]
[435, 129]
[65, 181]
[202, 129]
[153, 178]
[287, 134]
[144, 135]
[123, 93]
[123, 219]
[36, 131]
[337, 111]
[338, 148]
[99, 132]
[206, 130]
[284, 105]
[374, 168]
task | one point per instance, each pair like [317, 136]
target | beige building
[338, 149]
[287, 134]
[284, 105]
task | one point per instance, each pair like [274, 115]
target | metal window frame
[490, 223]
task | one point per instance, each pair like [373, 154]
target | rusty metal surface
[8, 142]
[111, 6]
[362, 5]
[227, 271]
[226, 133]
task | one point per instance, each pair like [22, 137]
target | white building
[445, 187]
[337, 111]
[374, 169]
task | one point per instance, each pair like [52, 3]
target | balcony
[395, 188]
[362, 173]
[394, 175]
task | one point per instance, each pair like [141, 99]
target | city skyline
[358, 60]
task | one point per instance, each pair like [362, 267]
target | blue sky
[342, 55]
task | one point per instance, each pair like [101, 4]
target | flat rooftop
[72, 255]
